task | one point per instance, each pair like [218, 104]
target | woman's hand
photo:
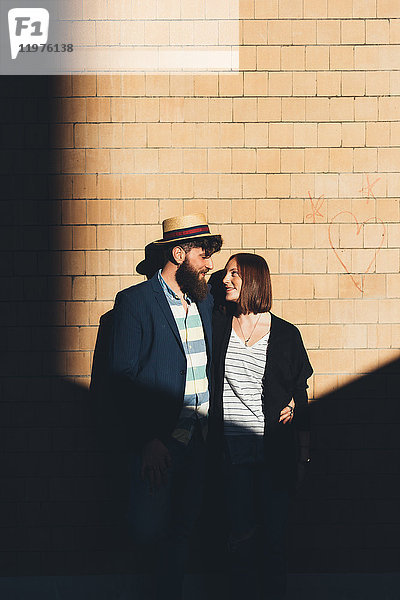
[287, 413]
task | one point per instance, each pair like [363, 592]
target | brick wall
[295, 157]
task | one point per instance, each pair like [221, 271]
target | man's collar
[169, 291]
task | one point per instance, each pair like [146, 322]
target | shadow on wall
[346, 516]
[59, 498]
[31, 264]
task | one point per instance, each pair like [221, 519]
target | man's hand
[155, 462]
[287, 413]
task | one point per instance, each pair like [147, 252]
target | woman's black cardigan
[286, 372]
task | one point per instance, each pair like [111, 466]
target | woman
[260, 381]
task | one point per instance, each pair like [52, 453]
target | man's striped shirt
[196, 396]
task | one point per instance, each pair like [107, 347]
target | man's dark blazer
[147, 359]
[286, 372]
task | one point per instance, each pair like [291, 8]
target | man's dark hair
[209, 244]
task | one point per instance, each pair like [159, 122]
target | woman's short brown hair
[256, 293]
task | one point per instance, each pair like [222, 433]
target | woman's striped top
[244, 371]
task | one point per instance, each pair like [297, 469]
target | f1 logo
[26, 25]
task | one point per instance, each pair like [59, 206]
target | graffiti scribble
[359, 226]
[367, 189]
[316, 206]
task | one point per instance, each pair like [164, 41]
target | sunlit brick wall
[295, 157]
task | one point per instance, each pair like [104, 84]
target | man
[160, 353]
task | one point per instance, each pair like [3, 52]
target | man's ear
[178, 254]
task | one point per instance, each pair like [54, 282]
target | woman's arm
[300, 397]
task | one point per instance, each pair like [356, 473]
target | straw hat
[178, 229]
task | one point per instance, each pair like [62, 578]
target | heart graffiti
[359, 228]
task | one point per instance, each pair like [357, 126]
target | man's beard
[190, 282]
